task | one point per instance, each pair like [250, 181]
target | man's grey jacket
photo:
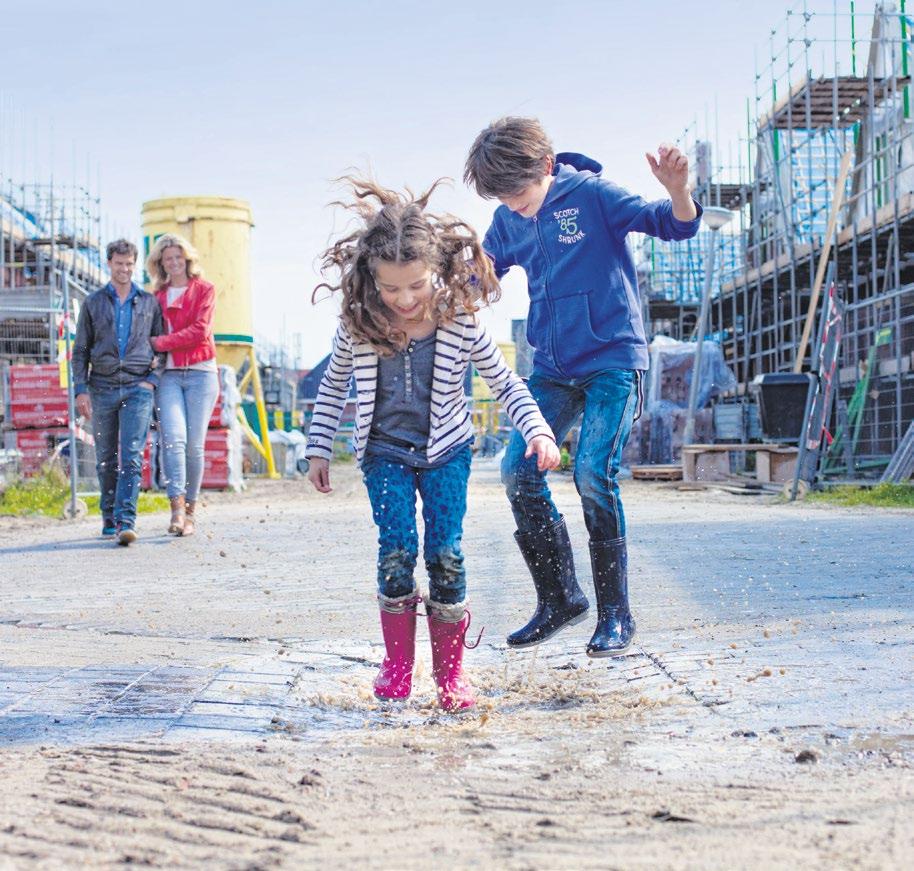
[96, 358]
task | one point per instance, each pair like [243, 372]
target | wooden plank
[658, 472]
[737, 446]
[837, 199]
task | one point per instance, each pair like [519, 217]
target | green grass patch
[879, 496]
[47, 493]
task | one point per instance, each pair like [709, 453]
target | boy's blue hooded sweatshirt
[585, 312]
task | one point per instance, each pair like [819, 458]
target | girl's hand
[319, 474]
[547, 453]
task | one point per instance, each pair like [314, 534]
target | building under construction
[49, 247]
[833, 84]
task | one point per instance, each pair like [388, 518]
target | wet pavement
[769, 616]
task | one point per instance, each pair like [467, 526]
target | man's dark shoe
[126, 535]
[560, 602]
[109, 527]
[615, 626]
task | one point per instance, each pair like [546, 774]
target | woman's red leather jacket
[190, 321]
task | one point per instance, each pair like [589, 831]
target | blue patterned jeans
[608, 399]
[120, 421]
[392, 489]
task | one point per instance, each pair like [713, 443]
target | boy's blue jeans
[392, 489]
[608, 400]
[120, 421]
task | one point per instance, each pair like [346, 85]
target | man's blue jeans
[392, 488]
[120, 421]
[608, 400]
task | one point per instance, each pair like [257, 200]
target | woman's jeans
[185, 399]
[608, 400]
[392, 488]
[120, 421]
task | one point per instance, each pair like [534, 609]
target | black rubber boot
[560, 602]
[615, 626]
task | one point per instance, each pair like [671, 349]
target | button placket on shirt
[408, 372]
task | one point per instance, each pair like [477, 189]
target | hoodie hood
[571, 170]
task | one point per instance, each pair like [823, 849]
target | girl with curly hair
[410, 284]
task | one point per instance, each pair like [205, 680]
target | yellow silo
[220, 229]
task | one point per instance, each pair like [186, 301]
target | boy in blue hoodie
[566, 227]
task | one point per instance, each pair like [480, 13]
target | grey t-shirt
[400, 424]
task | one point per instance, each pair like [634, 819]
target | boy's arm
[626, 213]
[331, 398]
[673, 219]
[508, 388]
[493, 246]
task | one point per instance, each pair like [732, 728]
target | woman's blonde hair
[396, 228]
[156, 271]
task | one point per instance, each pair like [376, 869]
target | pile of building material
[35, 416]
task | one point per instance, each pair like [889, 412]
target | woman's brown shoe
[178, 516]
[189, 527]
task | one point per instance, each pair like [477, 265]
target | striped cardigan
[457, 343]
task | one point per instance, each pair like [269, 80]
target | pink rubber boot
[454, 690]
[398, 625]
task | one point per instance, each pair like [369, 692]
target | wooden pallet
[658, 472]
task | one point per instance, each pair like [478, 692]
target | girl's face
[174, 263]
[406, 289]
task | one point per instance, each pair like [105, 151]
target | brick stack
[218, 449]
[36, 413]
[216, 459]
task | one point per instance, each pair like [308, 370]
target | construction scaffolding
[835, 83]
[49, 245]
[50, 261]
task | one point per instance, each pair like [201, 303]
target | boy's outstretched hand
[547, 453]
[671, 169]
[319, 474]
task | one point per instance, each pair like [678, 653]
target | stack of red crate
[146, 475]
[37, 413]
[216, 459]
[216, 449]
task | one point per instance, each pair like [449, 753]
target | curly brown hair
[396, 228]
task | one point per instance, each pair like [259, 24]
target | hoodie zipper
[539, 239]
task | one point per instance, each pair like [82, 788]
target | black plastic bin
[782, 400]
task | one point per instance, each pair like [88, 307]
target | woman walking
[189, 387]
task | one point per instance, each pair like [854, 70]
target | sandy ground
[207, 701]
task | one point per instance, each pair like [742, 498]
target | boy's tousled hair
[508, 156]
[396, 228]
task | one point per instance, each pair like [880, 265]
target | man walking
[114, 376]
